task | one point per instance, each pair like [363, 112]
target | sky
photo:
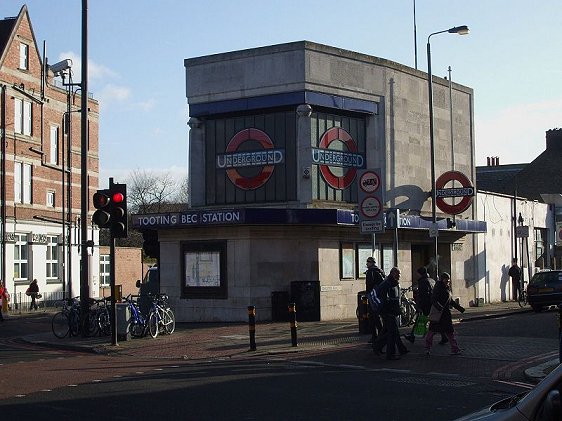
[136, 49]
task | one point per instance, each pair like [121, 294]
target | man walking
[515, 274]
[374, 276]
[389, 293]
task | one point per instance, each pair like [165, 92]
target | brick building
[40, 128]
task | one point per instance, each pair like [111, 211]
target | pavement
[205, 341]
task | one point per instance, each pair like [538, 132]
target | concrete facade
[300, 224]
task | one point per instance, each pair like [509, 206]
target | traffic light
[102, 216]
[118, 210]
[451, 223]
[150, 245]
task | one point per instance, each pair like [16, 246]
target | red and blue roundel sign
[348, 161]
[239, 156]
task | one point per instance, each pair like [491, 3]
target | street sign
[433, 230]
[522, 231]
[370, 201]
[392, 218]
[466, 192]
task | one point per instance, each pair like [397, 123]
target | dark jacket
[443, 300]
[389, 293]
[515, 272]
[33, 287]
[423, 296]
[374, 276]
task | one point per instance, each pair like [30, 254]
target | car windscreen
[546, 278]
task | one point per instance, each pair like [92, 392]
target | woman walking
[442, 300]
[32, 291]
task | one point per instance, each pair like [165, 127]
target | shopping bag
[434, 314]
[420, 328]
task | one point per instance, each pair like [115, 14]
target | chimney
[497, 160]
[489, 160]
[554, 139]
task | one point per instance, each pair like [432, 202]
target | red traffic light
[100, 200]
[118, 197]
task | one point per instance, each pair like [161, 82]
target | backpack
[375, 302]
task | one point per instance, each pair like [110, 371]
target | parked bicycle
[99, 318]
[67, 321]
[161, 318]
[137, 326]
[408, 308]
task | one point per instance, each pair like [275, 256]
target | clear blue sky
[512, 59]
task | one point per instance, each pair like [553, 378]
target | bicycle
[522, 296]
[138, 326]
[99, 318]
[408, 308]
[67, 321]
[161, 318]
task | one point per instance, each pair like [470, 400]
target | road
[346, 382]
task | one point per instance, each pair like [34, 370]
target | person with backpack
[374, 276]
[389, 294]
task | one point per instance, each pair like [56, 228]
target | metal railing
[20, 302]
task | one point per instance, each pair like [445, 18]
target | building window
[51, 199]
[204, 269]
[353, 259]
[22, 116]
[104, 270]
[54, 145]
[24, 56]
[52, 257]
[540, 248]
[22, 182]
[21, 253]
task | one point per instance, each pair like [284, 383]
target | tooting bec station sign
[466, 191]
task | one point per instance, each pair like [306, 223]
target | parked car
[545, 289]
[540, 403]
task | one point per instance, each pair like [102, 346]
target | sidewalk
[195, 341]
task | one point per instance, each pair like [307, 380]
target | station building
[278, 138]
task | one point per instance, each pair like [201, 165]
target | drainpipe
[3, 184]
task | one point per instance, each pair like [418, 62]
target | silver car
[542, 403]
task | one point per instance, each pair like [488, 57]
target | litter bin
[123, 316]
[306, 296]
[280, 306]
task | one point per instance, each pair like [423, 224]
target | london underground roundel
[238, 157]
[466, 192]
[346, 162]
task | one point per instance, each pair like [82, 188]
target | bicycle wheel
[104, 322]
[74, 318]
[153, 318]
[169, 321]
[91, 328]
[136, 328]
[60, 325]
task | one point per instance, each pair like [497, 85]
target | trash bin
[123, 316]
[280, 306]
[306, 296]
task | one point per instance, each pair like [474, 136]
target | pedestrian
[32, 291]
[3, 296]
[374, 276]
[515, 274]
[389, 293]
[442, 300]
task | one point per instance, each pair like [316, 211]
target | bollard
[364, 316]
[252, 326]
[560, 332]
[293, 320]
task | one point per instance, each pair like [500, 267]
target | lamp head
[461, 30]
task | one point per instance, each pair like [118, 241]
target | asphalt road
[336, 383]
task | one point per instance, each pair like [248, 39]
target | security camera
[61, 66]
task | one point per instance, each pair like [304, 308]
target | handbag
[434, 314]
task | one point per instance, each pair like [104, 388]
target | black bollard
[293, 320]
[252, 326]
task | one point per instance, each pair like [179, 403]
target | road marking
[519, 384]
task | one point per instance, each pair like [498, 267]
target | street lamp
[461, 30]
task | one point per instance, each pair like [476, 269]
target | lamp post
[461, 30]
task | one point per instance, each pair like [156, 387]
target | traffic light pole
[112, 286]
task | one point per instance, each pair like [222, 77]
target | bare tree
[151, 192]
